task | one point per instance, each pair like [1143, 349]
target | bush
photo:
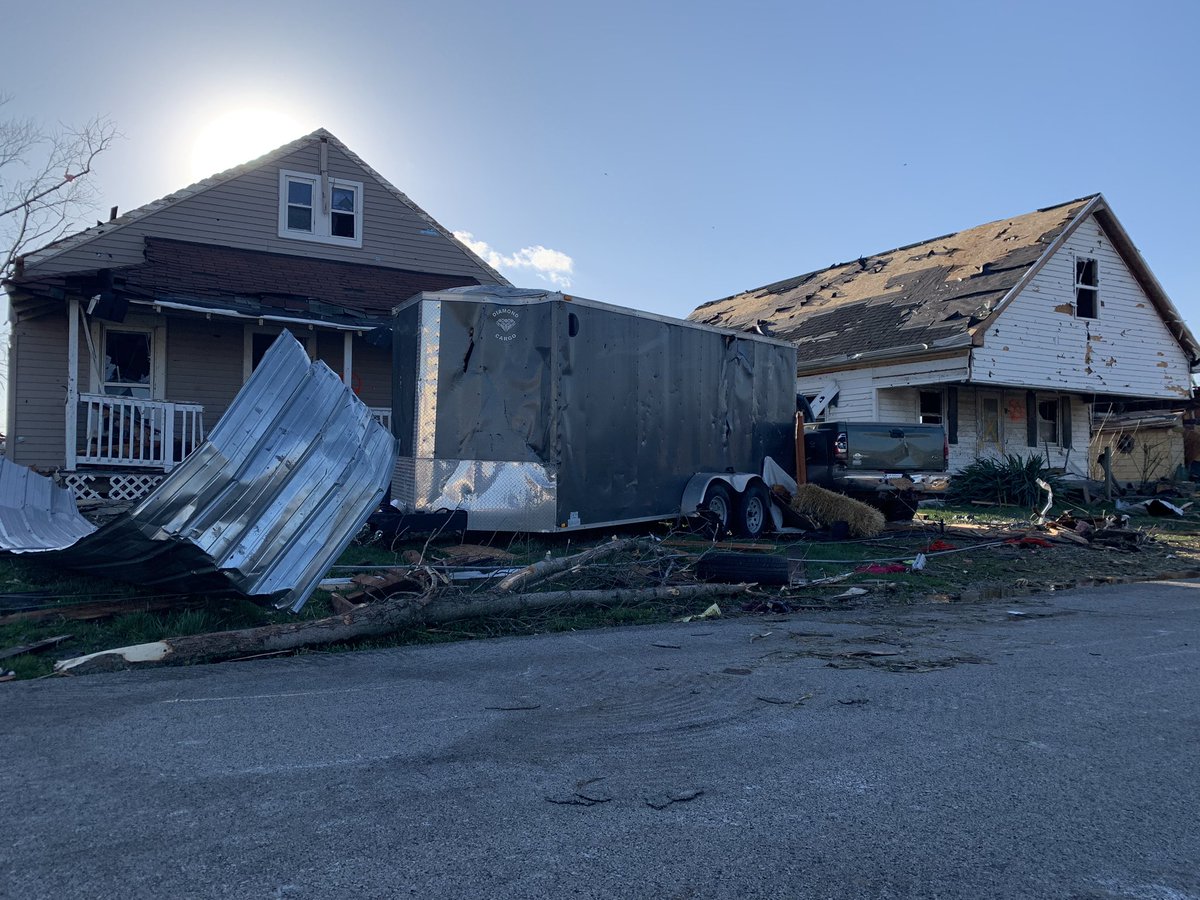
[1010, 480]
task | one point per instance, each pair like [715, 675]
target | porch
[130, 432]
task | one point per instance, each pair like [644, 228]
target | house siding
[1127, 350]
[204, 364]
[244, 213]
[1155, 453]
[859, 390]
[39, 369]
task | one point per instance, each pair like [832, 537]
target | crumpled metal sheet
[36, 514]
[265, 506]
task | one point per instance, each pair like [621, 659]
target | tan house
[130, 339]
[1005, 333]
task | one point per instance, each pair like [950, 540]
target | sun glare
[240, 136]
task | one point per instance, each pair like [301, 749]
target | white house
[1005, 333]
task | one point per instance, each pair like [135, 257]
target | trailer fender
[693, 494]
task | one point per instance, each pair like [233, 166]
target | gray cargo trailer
[534, 411]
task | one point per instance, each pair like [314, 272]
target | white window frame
[941, 414]
[1094, 288]
[322, 218]
[158, 356]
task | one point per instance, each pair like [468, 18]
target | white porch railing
[127, 431]
[382, 415]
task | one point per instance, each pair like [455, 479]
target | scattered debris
[779, 701]
[713, 612]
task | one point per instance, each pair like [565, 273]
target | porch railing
[127, 431]
[382, 415]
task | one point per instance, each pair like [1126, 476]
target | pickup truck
[891, 465]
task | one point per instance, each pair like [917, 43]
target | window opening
[305, 215]
[260, 343]
[1125, 443]
[1047, 413]
[989, 420]
[299, 206]
[1087, 288]
[127, 363]
[931, 408]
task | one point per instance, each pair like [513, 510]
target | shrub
[1010, 480]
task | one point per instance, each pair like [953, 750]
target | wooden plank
[35, 646]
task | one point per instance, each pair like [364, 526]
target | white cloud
[553, 266]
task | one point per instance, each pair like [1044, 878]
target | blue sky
[671, 153]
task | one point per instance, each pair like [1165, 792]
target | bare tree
[44, 183]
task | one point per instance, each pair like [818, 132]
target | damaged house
[130, 339]
[1006, 333]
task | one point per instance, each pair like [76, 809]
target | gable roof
[253, 282]
[940, 293]
[73, 241]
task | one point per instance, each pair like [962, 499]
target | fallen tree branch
[371, 620]
[546, 568]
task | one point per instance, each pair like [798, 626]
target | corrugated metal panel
[285, 480]
[36, 514]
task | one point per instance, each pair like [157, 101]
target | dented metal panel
[285, 480]
[36, 514]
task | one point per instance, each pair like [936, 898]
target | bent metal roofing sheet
[284, 482]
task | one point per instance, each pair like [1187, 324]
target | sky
[656, 155]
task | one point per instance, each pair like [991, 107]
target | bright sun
[240, 136]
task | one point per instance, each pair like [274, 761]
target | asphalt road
[935, 751]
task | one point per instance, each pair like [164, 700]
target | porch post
[348, 359]
[72, 413]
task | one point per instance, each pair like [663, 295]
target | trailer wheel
[753, 514]
[718, 504]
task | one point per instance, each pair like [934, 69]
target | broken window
[1047, 421]
[1087, 288]
[1125, 443]
[930, 412]
[127, 363]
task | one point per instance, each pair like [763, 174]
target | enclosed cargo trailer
[534, 411]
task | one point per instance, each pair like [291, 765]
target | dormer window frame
[327, 220]
[1087, 287]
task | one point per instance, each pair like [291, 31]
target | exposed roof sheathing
[932, 293]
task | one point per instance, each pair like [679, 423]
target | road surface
[1047, 747]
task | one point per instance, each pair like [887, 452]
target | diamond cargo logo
[506, 320]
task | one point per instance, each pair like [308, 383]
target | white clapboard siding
[858, 396]
[244, 213]
[1037, 340]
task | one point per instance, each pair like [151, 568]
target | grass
[1176, 547]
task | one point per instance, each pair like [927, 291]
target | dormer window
[306, 214]
[1087, 288]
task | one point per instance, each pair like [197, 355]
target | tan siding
[204, 364]
[1157, 453]
[244, 213]
[39, 371]
[373, 368]
[1126, 350]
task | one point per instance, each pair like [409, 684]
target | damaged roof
[934, 294]
[253, 282]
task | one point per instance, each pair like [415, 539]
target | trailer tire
[718, 505]
[743, 568]
[753, 511]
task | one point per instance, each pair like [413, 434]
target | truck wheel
[753, 513]
[900, 508]
[718, 503]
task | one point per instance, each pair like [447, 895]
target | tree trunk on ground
[372, 620]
